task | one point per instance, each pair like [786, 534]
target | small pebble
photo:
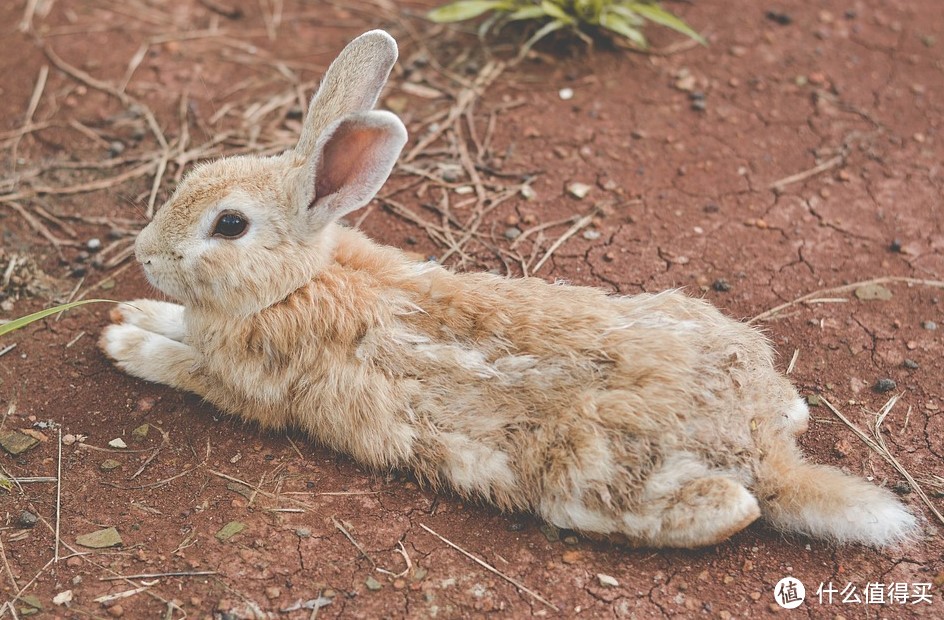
[910, 364]
[94, 244]
[929, 325]
[26, 520]
[372, 584]
[512, 220]
[68, 439]
[303, 532]
[118, 442]
[578, 190]
[609, 257]
[721, 285]
[512, 233]
[895, 246]
[116, 148]
[273, 592]
[902, 488]
[116, 611]
[566, 94]
[699, 105]
[109, 464]
[884, 385]
[779, 18]
[591, 235]
[607, 581]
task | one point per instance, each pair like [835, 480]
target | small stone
[31, 605]
[929, 325]
[116, 611]
[566, 94]
[571, 556]
[728, 579]
[68, 439]
[578, 190]
[721, 285]
[109, 464]
[273, 592]
[229, 530]
[140, 433]
[609, 257]
[884, 385]
[780, 18]
[748, 566]
[512, 220]
[843, 448]
[16, 442]
[699, 105]
[755, 596]
[902, 488]
[116, 148]
[570, 540]
[711, 208]
[607, 581]
[303, 532]
[528, 193]
[102, 539]
[895, 246]
[512, 233]
[814, 400]
[62, 598]
[591, 235]
[74, 561]
[551, 533]
[118, 442]
[686, 82]
[26, 520]
[873, 292]
[93, 244]
[910, 364]
[145, 404]
[911, 345]
[372, 584]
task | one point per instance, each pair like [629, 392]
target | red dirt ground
[685, 199]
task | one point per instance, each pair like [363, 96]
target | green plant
[622, 17]
[23, 321]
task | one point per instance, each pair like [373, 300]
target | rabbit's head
[241, 233]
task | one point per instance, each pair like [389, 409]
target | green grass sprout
[23, 321]
[622, 17]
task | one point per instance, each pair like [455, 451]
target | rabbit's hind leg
[700, 512]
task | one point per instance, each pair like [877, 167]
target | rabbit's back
[509, 389]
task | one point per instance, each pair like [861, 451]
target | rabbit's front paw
[150, 356]
[159, 317]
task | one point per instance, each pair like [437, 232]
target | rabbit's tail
[822, 502]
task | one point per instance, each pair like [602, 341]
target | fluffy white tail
[823, 502]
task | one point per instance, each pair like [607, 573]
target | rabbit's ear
[352, 84]
[352, 159]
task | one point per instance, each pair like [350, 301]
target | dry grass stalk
[846, 288]
[877, 444]
[494, 570]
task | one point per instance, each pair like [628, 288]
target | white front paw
[126, 343]
[160, 317]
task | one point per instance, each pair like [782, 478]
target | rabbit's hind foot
[702, 512]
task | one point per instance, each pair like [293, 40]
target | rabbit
[651, 419]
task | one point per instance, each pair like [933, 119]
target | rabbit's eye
[230, 225]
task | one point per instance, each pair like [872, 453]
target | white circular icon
[789, 592]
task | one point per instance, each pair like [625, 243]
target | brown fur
[652, 417]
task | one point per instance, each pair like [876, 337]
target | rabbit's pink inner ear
[346, 158]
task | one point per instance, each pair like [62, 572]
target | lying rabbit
[651, 418]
